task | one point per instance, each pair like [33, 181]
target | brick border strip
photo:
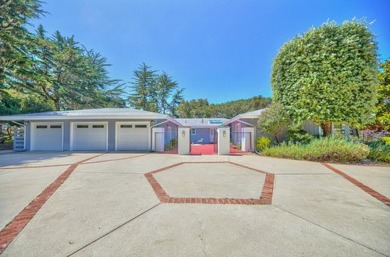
[265, 197]
[359, 184]
[9, 232]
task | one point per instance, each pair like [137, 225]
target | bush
[386, 140]
[379, 151]
[171, 145]
[262, 143]
[323, 149]
[298, 135]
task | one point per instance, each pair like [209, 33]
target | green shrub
[386, 140]
[379, 151]
[262, 143]
[298, 135]
[323, 149]
[171, 145]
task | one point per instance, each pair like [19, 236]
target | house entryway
[241, 142]
[204, 144]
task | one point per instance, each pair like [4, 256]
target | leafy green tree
[15, 41]
[194, 109]
[202, 108]
[274, 120]
[328, 75]
[382, 117]
[71, 76]
[8, 104]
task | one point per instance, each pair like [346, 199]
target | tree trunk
[277, 138]
[326, 128]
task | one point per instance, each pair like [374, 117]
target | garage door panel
[132, 137]
[46, 137]
[90, 137]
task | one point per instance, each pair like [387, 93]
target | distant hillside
[201, 108]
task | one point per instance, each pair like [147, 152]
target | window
[41, 127]
[215, 122]
[193, 131]
[97, 126]
[82, 126]
[55, 126]
[126, 126]
[140, 126]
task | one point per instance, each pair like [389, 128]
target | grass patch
[328, 149]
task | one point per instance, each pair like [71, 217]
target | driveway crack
[331, 231]
[114, 229]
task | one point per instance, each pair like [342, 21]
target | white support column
[158, 139]
[223, 140]
[183, 140]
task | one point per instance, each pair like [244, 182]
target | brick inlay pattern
[8, 234]
[265, 197]
[359, 184]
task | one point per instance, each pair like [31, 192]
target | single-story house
[125, 129]
[107, 129]
[202, 130]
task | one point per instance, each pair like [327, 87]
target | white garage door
[46, 136]
[89, 136]
[132, 137]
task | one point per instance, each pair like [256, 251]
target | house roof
[248, 115]
[88, 114]
[202, 122]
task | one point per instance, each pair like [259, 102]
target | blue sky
[221, 50]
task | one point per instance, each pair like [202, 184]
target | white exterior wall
[223, 140]
[184, 140]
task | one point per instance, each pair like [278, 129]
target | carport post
[183, 140]
[223, 140]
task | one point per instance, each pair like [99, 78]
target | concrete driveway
[134, 204]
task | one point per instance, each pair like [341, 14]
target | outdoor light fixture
[183, 133]
[224, 133]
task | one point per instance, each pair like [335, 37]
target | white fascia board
[232, 120]
[169, 118]
[239, 117]
[89, 117]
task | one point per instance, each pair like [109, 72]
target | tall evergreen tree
[151, 91]
[16, 42]
[174, 104]
[143, 88]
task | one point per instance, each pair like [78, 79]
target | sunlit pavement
[137, 204]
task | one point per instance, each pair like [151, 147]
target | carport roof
[88, 114]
